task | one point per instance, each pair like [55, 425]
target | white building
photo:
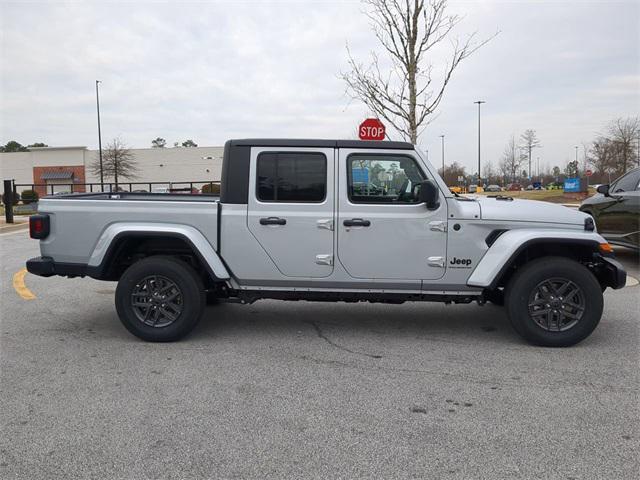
[57, 168]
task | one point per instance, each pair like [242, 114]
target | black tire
[496, 297]
[173, 277]
[525, 293]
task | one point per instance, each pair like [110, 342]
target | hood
[596, 198]
[529, 211]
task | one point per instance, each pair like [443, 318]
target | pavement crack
[341, 347]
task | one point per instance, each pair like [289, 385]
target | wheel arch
[515, 248]
[121, 245]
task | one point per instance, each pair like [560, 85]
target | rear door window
[291, 177]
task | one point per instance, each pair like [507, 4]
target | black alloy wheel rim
[556, 304]
[157, 301]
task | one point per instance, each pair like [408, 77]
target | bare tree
[117, 162]
[408, 31]
[504, 169]
[529, 141]
[511, 160]
[571, 169]
[452, 172]
[624, 132]
[602, 156]
[488, 172]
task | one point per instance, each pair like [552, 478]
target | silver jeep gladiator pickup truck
[329, 220]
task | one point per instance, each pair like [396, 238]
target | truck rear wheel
[554, 302]
[160, 299]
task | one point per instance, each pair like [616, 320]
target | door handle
[356, 222]
[273, 221]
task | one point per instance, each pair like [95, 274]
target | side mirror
[429, 194]
[603, 189]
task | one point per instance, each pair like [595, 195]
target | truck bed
[80, 220]
[161, 197]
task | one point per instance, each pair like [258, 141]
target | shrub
[16, 198]
[29, 196]
[213, 188]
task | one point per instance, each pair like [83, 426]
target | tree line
[617, 150]
[160, 142]
[611, 154]
[12, 146]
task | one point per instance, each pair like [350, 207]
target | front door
[291, 208]
[383, 230]
[617, 215]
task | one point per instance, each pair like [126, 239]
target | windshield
[433, 173]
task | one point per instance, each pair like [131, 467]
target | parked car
[616, 210]
[456, 189]
[289, 225]
[493, 188]
[514, 187]
[475, 189]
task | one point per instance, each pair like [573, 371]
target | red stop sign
[588, 173]
[371, 129]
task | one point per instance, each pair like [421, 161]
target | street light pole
[479, 102]
[99, 137]
[442, 137]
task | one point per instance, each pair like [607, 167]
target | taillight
[39, 226]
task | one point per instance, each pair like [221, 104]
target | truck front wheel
[160, 299]
[554, 302]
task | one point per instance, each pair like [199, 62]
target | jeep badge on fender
[461, 262]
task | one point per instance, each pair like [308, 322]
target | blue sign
[572, 185]
[360, 175]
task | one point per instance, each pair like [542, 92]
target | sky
[210, 71]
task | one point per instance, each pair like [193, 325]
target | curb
[13, 227]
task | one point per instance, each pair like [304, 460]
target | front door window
[383, 179]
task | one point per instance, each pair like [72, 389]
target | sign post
[371, 129]
[8, 201]
[588, 173]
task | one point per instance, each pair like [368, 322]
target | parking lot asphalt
[308, 390]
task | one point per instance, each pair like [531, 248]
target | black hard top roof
[300, 142]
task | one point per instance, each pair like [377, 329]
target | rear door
[291, 208]
[383, 230]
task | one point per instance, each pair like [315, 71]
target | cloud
[212, 71]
